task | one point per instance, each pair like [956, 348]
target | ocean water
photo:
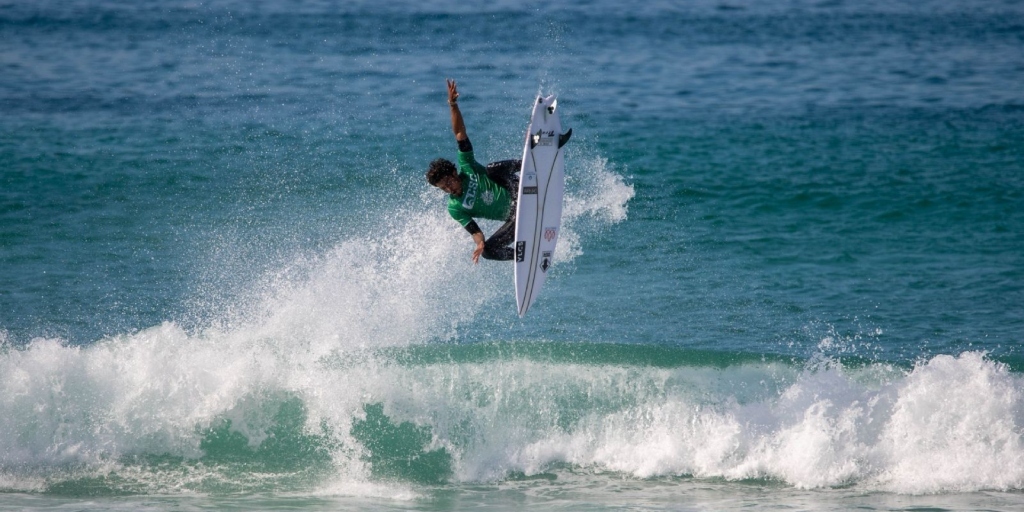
[791, 274]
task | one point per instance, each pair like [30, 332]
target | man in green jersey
[477, 191]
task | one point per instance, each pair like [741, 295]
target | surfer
[476, 191]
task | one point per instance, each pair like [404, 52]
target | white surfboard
[539, 213]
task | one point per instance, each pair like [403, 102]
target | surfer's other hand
[477, 252]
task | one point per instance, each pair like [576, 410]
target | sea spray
[260, 390]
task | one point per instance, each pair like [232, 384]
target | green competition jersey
[481, 197]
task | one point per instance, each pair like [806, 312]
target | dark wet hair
[439, 170]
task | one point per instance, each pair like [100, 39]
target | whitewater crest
[132, 406]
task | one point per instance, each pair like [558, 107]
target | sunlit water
[790, 275]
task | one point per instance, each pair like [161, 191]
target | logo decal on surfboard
[529, 183]
[520, 251]
[550, 233]
[544, 138]
[545, 261]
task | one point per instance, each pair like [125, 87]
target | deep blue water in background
[794, 260]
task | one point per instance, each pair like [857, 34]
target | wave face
[163, 411]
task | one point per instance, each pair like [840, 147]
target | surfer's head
[442, 174]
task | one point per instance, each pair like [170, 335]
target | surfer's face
[451, 185]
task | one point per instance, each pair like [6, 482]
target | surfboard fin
[563, 138]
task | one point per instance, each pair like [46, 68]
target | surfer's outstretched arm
[458, 125]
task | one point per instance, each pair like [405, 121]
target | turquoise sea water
[791, 275]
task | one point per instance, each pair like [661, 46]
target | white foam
[155, 391]
[953, 424]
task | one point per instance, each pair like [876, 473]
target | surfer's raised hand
[453, 92]
[458, 125]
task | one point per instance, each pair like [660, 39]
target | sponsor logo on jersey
[488, 197]
[470, 198]
[520, 251]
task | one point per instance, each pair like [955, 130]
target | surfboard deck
[539, 211]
